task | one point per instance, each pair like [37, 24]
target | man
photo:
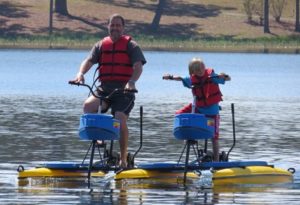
[120, 65]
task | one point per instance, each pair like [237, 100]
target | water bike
[192, 128]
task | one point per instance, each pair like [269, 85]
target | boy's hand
[168, 77]
[225, 76]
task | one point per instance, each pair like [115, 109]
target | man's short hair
[116, 16]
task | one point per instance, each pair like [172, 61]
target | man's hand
[78, 79]
[130, 85]
[137, 71]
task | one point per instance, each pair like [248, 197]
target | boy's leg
[215, 144]
[215, 139]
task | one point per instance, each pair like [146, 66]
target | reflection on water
[45, 129]
[151, 192]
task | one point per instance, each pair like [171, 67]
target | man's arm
[137, 71]
[87, 63]
[84, 68]
[138, 59]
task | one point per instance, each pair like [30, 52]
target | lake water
[39, 117]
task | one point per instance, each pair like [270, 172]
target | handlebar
[101, 97]
[178, 78]
[171, 77]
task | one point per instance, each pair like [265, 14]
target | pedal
[98, 164]
[223, 157]
[114, 159]
[130, 160]
[207, 157]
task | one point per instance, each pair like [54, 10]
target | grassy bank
[189, 25]
[275, 44]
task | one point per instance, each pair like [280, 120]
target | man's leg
[91, 105]
[122, 117]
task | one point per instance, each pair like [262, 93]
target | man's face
[115, 29]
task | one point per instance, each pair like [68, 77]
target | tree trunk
[61, 7]
[50, 17]
[158, 13]
[297, 26]
[266, 16]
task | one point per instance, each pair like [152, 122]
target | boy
[204, 83]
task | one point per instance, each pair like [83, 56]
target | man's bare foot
[100, 143]
[123, 164]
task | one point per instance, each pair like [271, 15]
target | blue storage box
[190, 126]
[99, 127]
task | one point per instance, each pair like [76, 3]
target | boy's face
[199, 72]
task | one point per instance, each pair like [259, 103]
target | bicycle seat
[99, 127]
[190, 126]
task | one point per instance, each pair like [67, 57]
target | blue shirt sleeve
[187, 82]
[217, 80]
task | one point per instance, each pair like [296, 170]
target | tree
[259, 10]
[61, 7]
[277, 8]
[266, 16]
[297, 26]
[249, 7]
[158, 13]
[50, 17]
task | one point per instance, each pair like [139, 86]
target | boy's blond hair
[196, 64]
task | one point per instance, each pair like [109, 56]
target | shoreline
[214, 49]
[286, 45]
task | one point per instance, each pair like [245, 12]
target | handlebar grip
[131, 91]
[74, 83]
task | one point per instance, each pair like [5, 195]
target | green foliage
[148, 42]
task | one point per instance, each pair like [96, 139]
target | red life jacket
[207, 93]
[115, 64]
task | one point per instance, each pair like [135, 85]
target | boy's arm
[185, 81]
[221, 78]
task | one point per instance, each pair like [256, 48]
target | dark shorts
[119, 101]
